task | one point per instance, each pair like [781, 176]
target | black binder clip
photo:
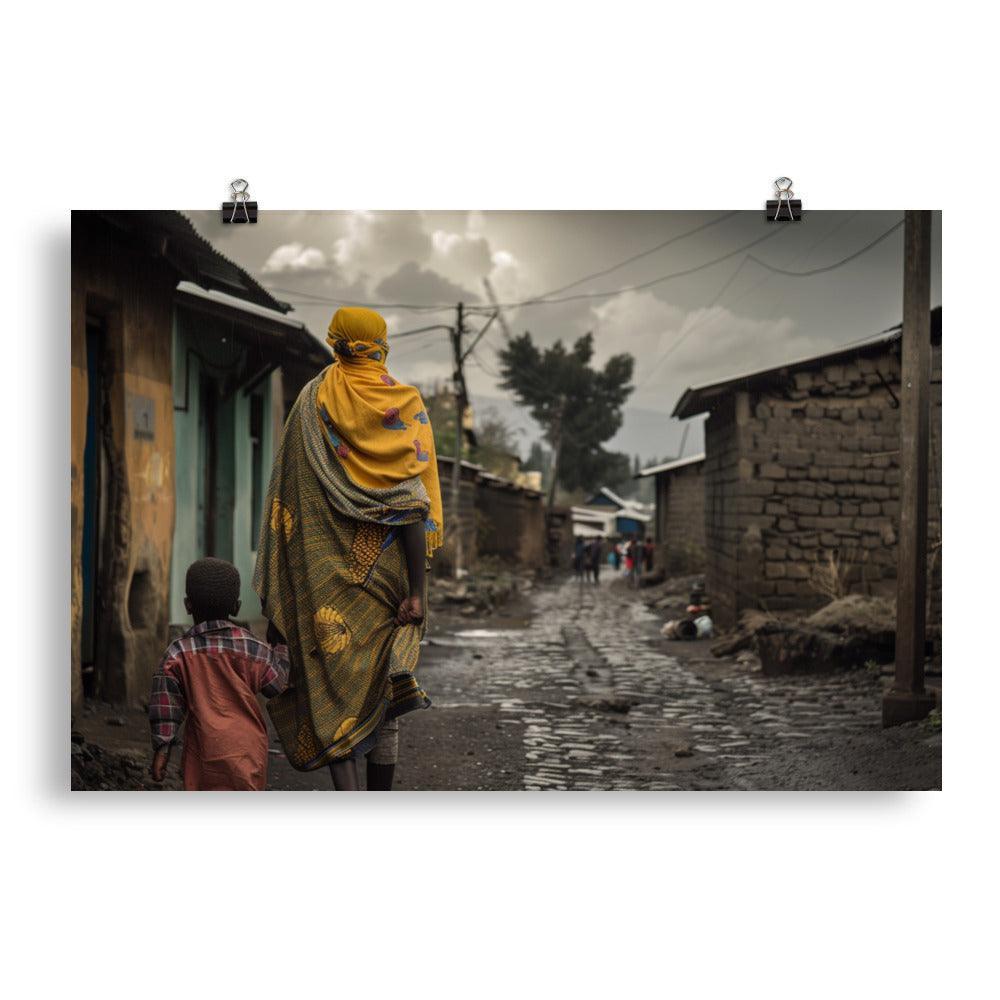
[784, 208]
[240, 209]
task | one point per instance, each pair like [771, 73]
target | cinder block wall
[443, 559]
[722, 524]
[817, 476]
[681, 513]
[510, 524]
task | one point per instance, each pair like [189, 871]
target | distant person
[616, 556]
[596, 551]
[209, 679]
[629, 547]
[579, 555]
[637, 557]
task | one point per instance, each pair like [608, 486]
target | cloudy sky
[731, 316]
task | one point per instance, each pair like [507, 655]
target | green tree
[538, 458]
[617, 474]
[578, 407]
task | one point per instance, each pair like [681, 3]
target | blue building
[611, 516]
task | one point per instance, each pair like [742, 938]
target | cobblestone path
[595, 700]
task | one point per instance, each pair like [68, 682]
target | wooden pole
[908, 700]
[456, 472]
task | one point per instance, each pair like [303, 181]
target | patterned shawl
[377, 428]
[330, 574]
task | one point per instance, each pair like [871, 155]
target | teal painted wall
[235, 534]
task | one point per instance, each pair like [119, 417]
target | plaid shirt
[266, 666]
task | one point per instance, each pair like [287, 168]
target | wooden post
[907, 701]
[456, 472]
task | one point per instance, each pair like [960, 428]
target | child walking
[211, 676]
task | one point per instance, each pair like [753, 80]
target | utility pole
[461, 402]
[908, 701]
[557, 439]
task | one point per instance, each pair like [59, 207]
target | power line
[420, 329]
[827, 267]
[694, 326]
[808, 253]
[327, 300]
[709, 263]
[645, 284]
[685, 272]
[544, 297]
[699, 322]
[638, 256]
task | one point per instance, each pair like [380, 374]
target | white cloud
[461, 257]
[466, 258]
[507, 277]
[637, 322]
[295, 257]
[378, 243]
[676, 348]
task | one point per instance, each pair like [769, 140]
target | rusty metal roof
[171, 235]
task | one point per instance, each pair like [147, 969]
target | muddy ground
[572, 687]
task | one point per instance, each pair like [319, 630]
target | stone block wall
[722, 524]
[803, 477]
[680, 513]
[443, 561]
[511, 523]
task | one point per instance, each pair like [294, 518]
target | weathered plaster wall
[133, 294]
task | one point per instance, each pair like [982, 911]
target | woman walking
[353, 511]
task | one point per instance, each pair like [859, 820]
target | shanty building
[234, 362]
[680, 514]
[443, 563]
[510, 521]
[802, 478]
[171, 405]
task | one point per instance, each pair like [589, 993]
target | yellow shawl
[381, 430]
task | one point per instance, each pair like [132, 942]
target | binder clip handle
[784, 208]
[241, 203]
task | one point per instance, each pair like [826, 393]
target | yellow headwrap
[382, 426]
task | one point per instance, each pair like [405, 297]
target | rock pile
[480, 593]
[93, 769]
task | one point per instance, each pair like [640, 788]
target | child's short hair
[213, 588]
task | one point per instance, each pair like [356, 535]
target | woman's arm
[411, 609]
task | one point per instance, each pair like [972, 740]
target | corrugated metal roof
[275, 335]
[677, 463]
[172, 236]
[233, 302]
